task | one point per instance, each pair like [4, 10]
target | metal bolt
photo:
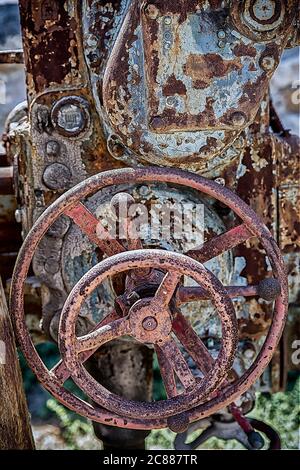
[152, 11]
[168, 36]
[238, 119]
[268, 63]
[149, 323]
[221, 34]
[57, 176]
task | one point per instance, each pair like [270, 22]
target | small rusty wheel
[199, 399]
[149, 321]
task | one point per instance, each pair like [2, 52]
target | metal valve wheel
[156, 318]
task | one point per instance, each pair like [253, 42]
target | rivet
[238, 119]
[149, 323]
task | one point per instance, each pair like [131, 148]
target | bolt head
[150, 323]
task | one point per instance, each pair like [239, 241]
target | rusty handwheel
[227, 432]
[156, 318]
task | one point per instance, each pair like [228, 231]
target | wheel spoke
[60, 370]
[167, 373]
[221, 243]
[167, 288]
[177, 361]
[192, 343]
[94, 229]
[103, 335]
[196, 293]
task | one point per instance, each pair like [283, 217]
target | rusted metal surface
[11, 57]
[147, 415]
[198, 83]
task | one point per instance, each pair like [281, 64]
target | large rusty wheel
[153, 319]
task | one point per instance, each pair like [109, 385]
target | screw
[221, 44]
[221, 34]
[167, 20]
[238, 119]
[149, 323]
[268, 63]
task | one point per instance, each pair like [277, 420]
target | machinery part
[137, 415]
[228, 431]
[70, 116]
